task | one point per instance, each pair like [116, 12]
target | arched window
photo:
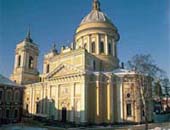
[94, 65]
[109, 48]
[101, 47]
[19, 60]
[8, 96]
[16, 96]
[93, 47]
[48, 68]
[1, 95]
[30, 64]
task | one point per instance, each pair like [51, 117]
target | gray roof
[96, 16]
[6, 81]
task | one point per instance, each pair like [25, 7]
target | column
[48, 99]
[108, 100]
[24, 59]
[83, 102]
[41, 99]
[30, 101]
[89, 44]
[56, 103]
[106, 44]
[82, 42]
[119, 100]
[97, 44]
[16, 61]
[112, 100]
[72, 103]
[33, 100]
[97, 98]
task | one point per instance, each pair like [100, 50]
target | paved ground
[158, 126]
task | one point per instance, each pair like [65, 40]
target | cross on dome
[96, 5]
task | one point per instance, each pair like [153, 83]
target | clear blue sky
[143, 25]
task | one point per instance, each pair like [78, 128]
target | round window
[128, 95]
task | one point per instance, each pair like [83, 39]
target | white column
[89, 44]
[41, 99]
[83, 102]
[108, 100]
[111, 100]
[106, 44]
[82, 40]
[97, 44]
[56, 103]
[33, 100]
[24, 59]
[119, 101]
[72, 103]
[30, 101]
[16, 61]
[97, 98]
[48, 98]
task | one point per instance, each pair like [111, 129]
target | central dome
[96, 15]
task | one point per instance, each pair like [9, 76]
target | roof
[123, 72]
[6, 81]
[96, 15]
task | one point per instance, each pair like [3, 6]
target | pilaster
[97, 44]
[106, 44]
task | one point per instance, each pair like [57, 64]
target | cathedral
[82, 83]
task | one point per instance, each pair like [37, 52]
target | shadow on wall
[45, 111]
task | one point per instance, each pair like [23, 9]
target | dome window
[101, 47]
[94, 65]
[93, 46]
[109, 48]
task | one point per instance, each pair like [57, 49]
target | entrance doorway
[64, 114]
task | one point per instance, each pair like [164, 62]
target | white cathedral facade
[83, 83]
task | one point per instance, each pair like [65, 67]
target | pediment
[63, 70]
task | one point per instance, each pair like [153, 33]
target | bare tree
[166, 86]
[148, 70]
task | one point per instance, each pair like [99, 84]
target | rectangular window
[129, 109]
[37, 107]
[109, 48]
[0, 95]
[93, 47]
[101, 47]
[7, 113]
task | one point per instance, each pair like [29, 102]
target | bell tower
[26, 58]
